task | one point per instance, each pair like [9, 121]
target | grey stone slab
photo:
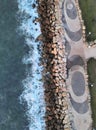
[75, 60]
[71, 9]
[67, 47]
[74, 36]
[81, 108]
[78, 83]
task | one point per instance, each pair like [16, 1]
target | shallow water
[22, 105]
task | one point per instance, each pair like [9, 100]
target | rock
[39, 38]
[54, 63]
[33, 5]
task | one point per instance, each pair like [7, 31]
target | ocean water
[22, 105]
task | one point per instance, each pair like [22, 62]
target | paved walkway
[76, 64]
[90, 52]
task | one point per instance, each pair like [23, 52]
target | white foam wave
[33, 92]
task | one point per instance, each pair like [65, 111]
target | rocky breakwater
[54, 61]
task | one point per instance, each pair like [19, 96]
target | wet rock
[33, 6]
[54, 64]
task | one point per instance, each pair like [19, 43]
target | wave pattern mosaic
[76, 65]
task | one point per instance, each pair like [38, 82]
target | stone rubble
[54, 62]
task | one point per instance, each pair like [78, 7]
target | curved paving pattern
[67, 47]
[75, 60]
[71, 10]
[80, 108]
[73, 13]
[74, 95]
[76, 65]
[74, 36]
[78, 83]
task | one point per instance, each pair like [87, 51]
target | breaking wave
[33, 93]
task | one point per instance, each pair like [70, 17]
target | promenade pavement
[79, 98]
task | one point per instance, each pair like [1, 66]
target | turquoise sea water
[22, 105]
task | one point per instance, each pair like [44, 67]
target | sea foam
[33, 93]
